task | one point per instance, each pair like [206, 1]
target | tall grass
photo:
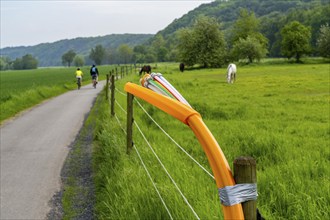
[278, 114]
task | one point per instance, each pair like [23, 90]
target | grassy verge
[76, 199]
[278, 114]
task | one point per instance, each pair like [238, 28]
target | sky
[31, 22]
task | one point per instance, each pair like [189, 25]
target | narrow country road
[33, 149]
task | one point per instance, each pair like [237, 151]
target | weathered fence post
[245, 172]
[112, 95]
[107, 88]
[130, 119]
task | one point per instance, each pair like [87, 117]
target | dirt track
[33, 149]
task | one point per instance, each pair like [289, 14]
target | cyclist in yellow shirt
[79, 75]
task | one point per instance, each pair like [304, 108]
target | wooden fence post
[130, 119]
[245, 172]
[112, 95]
[107, 88]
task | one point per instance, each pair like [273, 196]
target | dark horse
[181, 67]
[145, 69]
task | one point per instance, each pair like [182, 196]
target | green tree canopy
[203, 44]
[246, 25]
[125, 53]
[249, 48]
[295, 40]
[323, 42]
[158, 47]
[25, 63]
[97, 54]
[186, 47]
[78, 61]
[29, 62]
[67, 58]
[5, 63]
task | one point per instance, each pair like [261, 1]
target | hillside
[273, 15]
[49, 54]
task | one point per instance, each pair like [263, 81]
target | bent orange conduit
[193, 119]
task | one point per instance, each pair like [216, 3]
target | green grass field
[23, 89]
[278, 114]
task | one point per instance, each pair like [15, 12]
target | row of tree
[204, 43]
[24, 63]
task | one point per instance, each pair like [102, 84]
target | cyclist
[79, 75]
[94, 73]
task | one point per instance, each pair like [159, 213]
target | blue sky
[26, 22]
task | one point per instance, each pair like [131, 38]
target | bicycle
[79, 82]
[94, 78]
[79, 75]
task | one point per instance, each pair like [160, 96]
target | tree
[5, 63]
[246, 25]
[203, 44]
[17, 64]
[29, 62]
[125, 53]
[186, 47]
[159, 47]
[247, 42]
[295, 40]
[209, 42]
[26, 62]
[249, 48]
[139, 54]
[67, 58]
[323, 42]
[78, 61]
[97, 54]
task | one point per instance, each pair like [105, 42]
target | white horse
[231, 73]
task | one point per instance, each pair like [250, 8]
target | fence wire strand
[153, 183]
[146, 169]
[160, 162]
[168, 174]
[181, 148]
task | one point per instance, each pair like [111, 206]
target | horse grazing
[231, 73]
[181, 67]
[145, 69]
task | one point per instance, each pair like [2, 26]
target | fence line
[179, 146]
[146, 169]
[249, 206]
[163, 166]
[153, 183]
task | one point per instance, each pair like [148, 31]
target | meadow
[22, 89]
[278, 114]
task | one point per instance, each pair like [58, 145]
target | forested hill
[50, 54]
[273, 15]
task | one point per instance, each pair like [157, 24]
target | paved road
[33, 149]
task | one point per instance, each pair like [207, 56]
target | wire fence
[147, 142]
[157, 157]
